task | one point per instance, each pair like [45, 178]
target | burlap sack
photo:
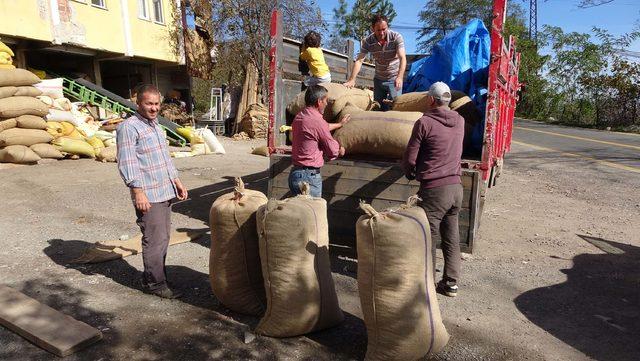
[46, 150]
[7, 91]
[335, 91]
[17, 106]
[17, 77]
[108, 154]
[31, 122]
[234, 261]
[383, 134]
[395, 283]
[8, 124]
[73, 146]
[27, 91]
[411, 102]
[18, 154]
[337, 98]
[294, 252]
[26, 137]
[359, 98]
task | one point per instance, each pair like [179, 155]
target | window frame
[153, 16]
[103, 6]
[145, 4]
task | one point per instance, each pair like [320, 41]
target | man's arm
[128, 166]
[330, 147]
[403, 66]
[355, 70]
[411, 153]
[402, 55]
[338, 125]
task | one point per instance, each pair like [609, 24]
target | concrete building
[117, 44]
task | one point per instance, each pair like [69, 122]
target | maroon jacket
[435, 149]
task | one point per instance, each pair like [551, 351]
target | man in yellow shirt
[312, 54]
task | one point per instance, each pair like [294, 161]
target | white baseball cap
[440, 90]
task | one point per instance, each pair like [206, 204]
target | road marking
[580, 138]
[600, 161]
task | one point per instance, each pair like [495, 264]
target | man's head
[148, 100]
[379, 26]
[316, 96]
[438, 95]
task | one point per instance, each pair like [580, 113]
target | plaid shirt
[143, 158]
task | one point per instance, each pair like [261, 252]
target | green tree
[239, 33]
[356, 24]
[438, 17]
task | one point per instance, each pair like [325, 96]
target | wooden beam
[40, 324]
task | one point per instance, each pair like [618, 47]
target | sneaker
[164, 292]
[449, 289]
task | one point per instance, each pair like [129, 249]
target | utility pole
[533, 20]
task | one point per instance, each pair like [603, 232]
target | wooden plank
[40, 324]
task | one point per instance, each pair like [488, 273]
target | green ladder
[84, 94]
[80, 92]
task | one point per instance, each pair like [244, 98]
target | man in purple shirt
[433, 158]
[146, 168]
[312, 142]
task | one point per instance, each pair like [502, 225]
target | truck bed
[347, 181]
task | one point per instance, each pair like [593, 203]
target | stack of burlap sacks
[75, 133]
[270, 258]
[382, 134]
[255, 122]
[23, 135]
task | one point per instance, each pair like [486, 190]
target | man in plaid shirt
[146, 168]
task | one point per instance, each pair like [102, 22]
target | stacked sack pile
[255, 122]
[23, 135]
[75, 131]
[270, 258]
[337, 99]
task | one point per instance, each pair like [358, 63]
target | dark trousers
[384, 89]
[155, 225]
[442, 205]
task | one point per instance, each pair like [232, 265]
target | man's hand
[350, 83]
[182, 191]
[345, 120]
[341, 152]
[140, 199]
[399, 82]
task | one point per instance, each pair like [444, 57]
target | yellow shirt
[315, 60]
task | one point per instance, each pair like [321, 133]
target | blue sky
[618, 17]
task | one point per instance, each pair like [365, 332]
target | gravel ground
[536, 288]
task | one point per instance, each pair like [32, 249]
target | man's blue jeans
[385, 89]
[308, 175]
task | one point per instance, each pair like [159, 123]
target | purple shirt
[312, 140]
[435, 148]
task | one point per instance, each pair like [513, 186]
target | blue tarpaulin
[461, 60]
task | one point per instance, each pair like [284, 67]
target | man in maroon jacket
[433, 158]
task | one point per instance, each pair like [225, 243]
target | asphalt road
[588, 148]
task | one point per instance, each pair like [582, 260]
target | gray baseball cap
[440, 90]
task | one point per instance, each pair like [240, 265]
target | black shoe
[164, 292]
[449, 288]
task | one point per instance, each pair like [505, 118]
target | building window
[99, 3]
[143, 12]
[158, 17]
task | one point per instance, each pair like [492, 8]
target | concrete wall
[116, 28]
[26, 19]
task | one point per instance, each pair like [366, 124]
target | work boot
[164, 292]
[447, 288]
